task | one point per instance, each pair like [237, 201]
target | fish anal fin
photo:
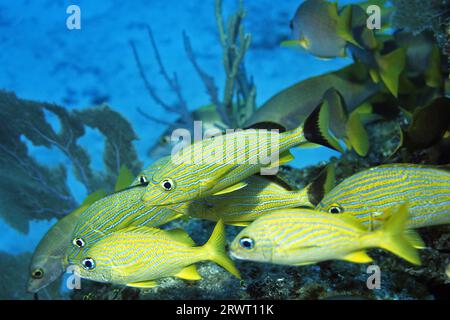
[189, 273]
[358, 257]
[232, 188]
[143, 284]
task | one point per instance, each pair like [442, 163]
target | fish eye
[143, 180]
[78, 242]
[88, 263]
[167, 184]
[247, 243]
[335, 209]
[37, 273]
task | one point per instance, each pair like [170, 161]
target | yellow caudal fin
[414, 239]
[215, 250]
[394, 238]
[316, 128]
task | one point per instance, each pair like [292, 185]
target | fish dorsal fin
[189, 273]
[238, 223]
[140, 230]
[276, 179]
[125, 178]
[94, 196]
[181, 236]
[358, 257]
[143, 284]
[232, 188]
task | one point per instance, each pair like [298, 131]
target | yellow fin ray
[143, 284]
[189, 273]
[358, 257]
[232, 188]
[181, 236]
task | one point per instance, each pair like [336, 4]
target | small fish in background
[186, 179]
[302, 237]
[346, 91]
[262, 195]
[367, 194]
[139, 256]
[318, 28]
[49, 258]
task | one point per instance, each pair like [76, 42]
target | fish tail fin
[316, 128]
[215, 250]
[317, 189]
[399, 241]
[357, 135]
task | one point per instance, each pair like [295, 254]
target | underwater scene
[224, 149]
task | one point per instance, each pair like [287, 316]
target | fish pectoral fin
[284, 158]
[238, 223]
[232, 188]
[189, 273]
[358, 257]
[181, 236]
[143, 284]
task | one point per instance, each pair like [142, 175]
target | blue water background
[42, 60]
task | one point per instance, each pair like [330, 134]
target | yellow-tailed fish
[318, 28]
[367, 194]
[218, 165]
[117, 211]
[139, 256]
[301, 237]
[262, 194]
[49, 259]
[48, 262]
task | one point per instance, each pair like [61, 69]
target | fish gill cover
[380, 98]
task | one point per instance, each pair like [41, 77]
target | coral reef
[418, 16]
[34, 191]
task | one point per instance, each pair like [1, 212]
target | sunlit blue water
[42, 60]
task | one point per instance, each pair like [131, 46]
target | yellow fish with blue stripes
[301, 237]
[367, 194]
[117, 211]
[218, 165]
[139, 256]
[262, 194]
[48, 262]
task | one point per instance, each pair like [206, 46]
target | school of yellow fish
[121, 238]
[117, 238]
